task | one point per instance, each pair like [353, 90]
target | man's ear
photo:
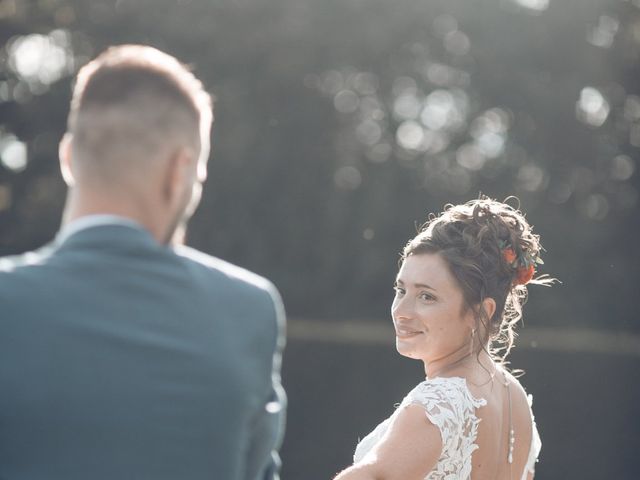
[64, 156]
[178, 173]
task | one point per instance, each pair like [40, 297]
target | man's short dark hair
[135, 101]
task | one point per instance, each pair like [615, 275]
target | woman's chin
[404, 349]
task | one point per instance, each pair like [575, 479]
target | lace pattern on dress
[449, 405]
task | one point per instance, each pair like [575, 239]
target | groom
[123, 356]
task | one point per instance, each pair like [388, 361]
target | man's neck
[80, 206]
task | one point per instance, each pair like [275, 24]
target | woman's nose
[401, 308]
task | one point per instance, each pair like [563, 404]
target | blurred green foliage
[341, 124]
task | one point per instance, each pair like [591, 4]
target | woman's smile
[406, 332]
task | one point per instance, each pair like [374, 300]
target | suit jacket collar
[89, 221]
[120, 238]
[108, 237]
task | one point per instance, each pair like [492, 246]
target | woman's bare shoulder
[517, 389]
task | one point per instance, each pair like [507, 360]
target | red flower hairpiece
[524, 266]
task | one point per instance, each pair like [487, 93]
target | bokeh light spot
[13, 153]
[347, 178]
[592, 108]
[435, 142]
[622, 167]
[368, 234]
[410, 135]
[371, 107]
[365, 83]
[346, 101]
[470, 157]
[369, 132]
[533, 5]
[632, 108]
[531, 177]
[331, 82]
[404, 85]
[603, 34]
[41, 60]
[457, 43]
[406, 106]
[596, 206]
[438, 109]
[491, 144]
[444, 75]
[560, 192]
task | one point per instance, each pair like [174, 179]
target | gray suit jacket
[124, 359]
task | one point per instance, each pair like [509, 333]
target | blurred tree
[342, 123]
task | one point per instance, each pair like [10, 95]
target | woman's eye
[426, 297]
[398, 290]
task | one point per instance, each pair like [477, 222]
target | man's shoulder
[222, 269]
[13, 263]
[249, 290]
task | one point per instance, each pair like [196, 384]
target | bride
[459, 293]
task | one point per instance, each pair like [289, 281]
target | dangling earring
[473, 334]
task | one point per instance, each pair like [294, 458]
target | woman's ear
[489, 307]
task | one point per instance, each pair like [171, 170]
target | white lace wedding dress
[450, 406]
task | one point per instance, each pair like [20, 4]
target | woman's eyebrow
[424, 285]
[416, 285]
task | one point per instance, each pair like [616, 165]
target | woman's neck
[462, 359]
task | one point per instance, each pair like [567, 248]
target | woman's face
[427, 310]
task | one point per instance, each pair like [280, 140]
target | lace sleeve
[450, 406]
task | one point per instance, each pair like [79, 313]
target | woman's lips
[406, 332]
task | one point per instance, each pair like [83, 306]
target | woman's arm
[408, 451]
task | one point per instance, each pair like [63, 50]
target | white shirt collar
[90, 221]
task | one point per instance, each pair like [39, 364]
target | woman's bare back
[507, 407]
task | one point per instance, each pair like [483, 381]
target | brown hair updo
[471, 238]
